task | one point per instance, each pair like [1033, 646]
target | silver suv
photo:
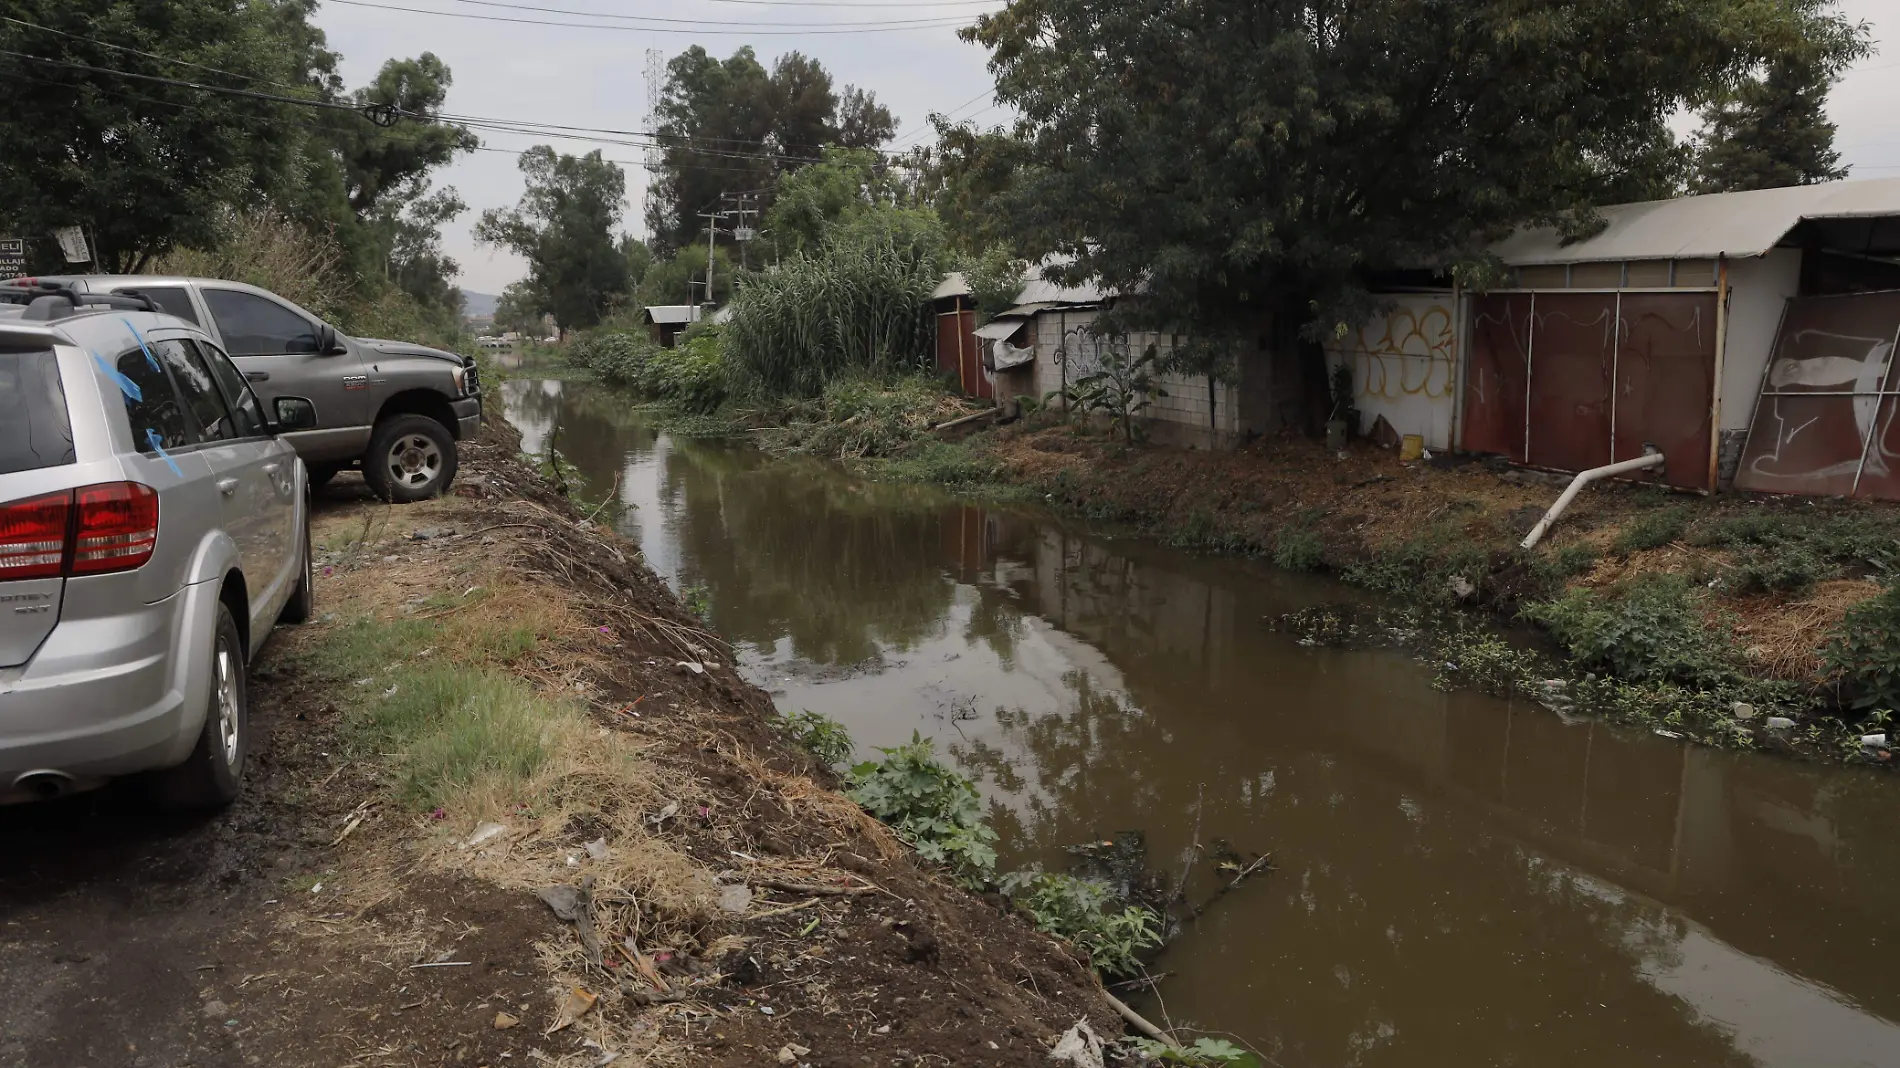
[395, 408]
[153, 527]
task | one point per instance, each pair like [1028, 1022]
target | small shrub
[1421, 567]
[1486, 661]
[619, 357]
[1297, 550]
[1790, 567]
[1652, 530]
[698, 601]
[818, 734]
[943, 463]
[1566, 563]
[931, 807]
[1082, 912]
[1649, 630]
[1121, 389]
[1863, 657]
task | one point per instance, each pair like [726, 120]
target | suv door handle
[257, 376]
[227, 486]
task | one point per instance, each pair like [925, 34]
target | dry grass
[1785, 639]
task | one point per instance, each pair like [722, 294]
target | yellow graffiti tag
[1411, 354]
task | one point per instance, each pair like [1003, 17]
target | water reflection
[1462, 881]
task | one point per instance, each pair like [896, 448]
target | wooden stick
[1139, 1022]
[815, 888]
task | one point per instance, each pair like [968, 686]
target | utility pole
[712, 228]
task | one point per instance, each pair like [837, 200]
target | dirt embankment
[510, 805]
[1779, 573]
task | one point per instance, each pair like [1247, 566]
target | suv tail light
[117, 527]
[112, 526]
[33, 536]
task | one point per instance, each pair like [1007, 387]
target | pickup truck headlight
[464, 380]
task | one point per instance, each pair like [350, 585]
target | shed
[1748, 335]
[665, 322]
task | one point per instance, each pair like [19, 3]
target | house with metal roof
[1747, 336]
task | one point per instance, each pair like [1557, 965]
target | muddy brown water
[1461, 880]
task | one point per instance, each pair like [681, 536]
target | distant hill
[478, 304]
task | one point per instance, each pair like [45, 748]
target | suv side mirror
[295, 413]
[328, 344]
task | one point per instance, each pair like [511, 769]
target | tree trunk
[1300, 366]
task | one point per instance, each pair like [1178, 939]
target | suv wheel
[210, 776]
[410, 458]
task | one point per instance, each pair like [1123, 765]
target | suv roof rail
[46, 301]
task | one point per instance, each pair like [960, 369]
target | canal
[1461, 880]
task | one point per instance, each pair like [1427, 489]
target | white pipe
[1651, 458]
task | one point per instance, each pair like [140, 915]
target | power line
[229, 91]
[153, 55]
[926, 123]
[877, 23]
[847, 27]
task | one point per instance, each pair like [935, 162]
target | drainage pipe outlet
[1650, 458]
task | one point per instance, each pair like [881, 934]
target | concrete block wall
[1180, 417]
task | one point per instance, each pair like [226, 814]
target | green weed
[1083, 912]
[1652, 530]
[1297, 549]
[818, 734]
[933, 808]
[698, 601]
[1863, 657]
[1648, 630]
[1203, 1052]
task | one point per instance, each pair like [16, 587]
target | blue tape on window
[150, 360]
[158, 446]
[126, 385]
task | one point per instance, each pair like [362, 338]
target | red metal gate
[1824, 418]
[1571, 381]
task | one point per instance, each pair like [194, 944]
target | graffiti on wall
[1403, 365]
[1824, 420]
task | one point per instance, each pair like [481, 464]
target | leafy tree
[731, 126]
[144, 166]
[962, 175]
[411, 235]
[564, 227]
[378, 161]
[810, 200]
[639, 258]
[682, 278]
[1773, 130]
[1249, 165]
[520, 308]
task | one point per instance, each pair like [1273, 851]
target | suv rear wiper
[46, 301]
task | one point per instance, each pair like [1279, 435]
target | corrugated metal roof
[1037, 290]
[1735, 225]
[672, 314]
[953, 285]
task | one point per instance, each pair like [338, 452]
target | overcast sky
[596, 78]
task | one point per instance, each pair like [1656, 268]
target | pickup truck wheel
[410, 458]
[210, 776]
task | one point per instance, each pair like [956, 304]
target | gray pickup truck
[394, 408]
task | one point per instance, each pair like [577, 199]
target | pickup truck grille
[473, 377]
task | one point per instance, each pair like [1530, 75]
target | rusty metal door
[960, 351]
[1572, 369]
[1496, 373]
[1824, 418]
[1665, 382]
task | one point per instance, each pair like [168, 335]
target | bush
[1297, 550]
[931, 807]
[865, 417]
[1565, 563]
[619, 357]
[860, 304]
[1652, 629]
[1863, 658]
[1422, 567]
[818, 734]
[691, 376]
[1082, 912]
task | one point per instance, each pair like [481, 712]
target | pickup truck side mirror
[294, 414]
[328, 344]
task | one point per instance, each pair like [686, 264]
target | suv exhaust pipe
[45, 785]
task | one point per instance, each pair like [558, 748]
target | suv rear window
[35, 430]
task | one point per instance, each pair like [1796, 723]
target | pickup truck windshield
[35, 430]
